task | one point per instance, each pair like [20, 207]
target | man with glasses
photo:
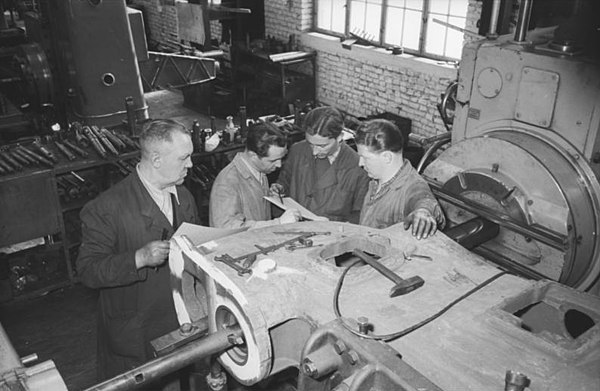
[322, 172]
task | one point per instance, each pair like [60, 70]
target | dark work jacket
[338, 194]
[135, 306]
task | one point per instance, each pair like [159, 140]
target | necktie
[174, 207]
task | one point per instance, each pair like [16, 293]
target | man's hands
[276, 189]
[422, 222]
[153, 254]
[290, 216]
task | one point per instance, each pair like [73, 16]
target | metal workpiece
[65, 151]
[36, 157]
[467, 314]
[185, 355]
[75, 148]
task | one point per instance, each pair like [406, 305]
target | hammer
[403, 286]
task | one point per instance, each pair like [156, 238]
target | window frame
[380, 40]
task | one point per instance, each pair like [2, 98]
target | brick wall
[161, 20]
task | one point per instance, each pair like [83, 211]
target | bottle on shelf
[231, 129]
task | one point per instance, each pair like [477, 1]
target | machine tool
[525, 152]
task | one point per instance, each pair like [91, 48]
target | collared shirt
[334, 155]
[162, 198]
[260, 177]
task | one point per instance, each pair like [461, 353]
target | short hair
[324, 121]
[262, 136]
[159, 130]
[380, 135]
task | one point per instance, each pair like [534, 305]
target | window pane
[373, 21]
[324, 14]
[393, 26]
[365, 18]
[454, 39]
[459, 7]
[331, 15]
[439, 6]
[436, 36]
[412, 30]
[339, 16]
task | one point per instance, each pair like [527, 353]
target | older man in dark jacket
[125, 246]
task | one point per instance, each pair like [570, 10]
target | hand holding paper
[289, 203]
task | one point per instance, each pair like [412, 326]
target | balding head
[158, 132]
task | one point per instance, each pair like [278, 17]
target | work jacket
[338, 194]
[237, 198]
[407, 192]
[135, 306]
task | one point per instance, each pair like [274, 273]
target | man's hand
[290, 216]
[152, 254]
[276, 189]
[422, 222]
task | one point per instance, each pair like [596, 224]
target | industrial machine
[525, 153]
[506, 299]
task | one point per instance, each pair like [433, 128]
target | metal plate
[537, 97]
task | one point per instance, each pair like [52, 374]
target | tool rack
[38, 216]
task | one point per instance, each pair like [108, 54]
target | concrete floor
[59, 326]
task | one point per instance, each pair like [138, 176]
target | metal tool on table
[408, 256]
[117, 142]
[6, 168]
[17, 158]
[95, 142]
[80, 139]
[127, 140]
[104, 140]
[75, 148]
[44, 151]
[25, 157]
[402, 286]
[68, 154]
[35, 156]
[11, 161]
[243, 263]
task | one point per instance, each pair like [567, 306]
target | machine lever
[402, 286]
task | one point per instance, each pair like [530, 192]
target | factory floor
[61, 326]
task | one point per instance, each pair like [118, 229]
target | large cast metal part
[511, 323]
[95, 59]
[526, 146]
[15, 375]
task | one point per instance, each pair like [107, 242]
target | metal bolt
[310, 368]
[495, 167]
[339, 346]
[363, 325]
[186, 329]
[352, 357]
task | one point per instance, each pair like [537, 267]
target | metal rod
[552, 239]
[523, 20]
[494, 18]
[180, 358]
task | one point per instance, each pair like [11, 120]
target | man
[237, 196]
[322, 172]
[124, 247]
[397, 192]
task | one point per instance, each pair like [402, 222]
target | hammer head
[406, 285]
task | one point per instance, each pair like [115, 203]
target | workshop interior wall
[359, 81]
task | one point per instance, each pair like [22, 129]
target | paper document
[290, 203]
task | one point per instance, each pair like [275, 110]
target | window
[410, 24]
